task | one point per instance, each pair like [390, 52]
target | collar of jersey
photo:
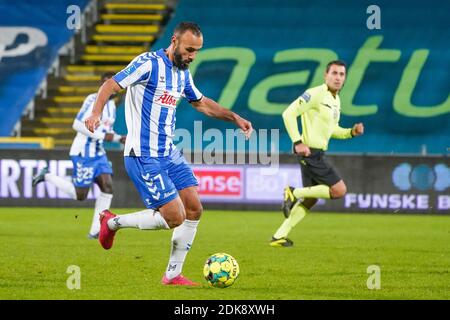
[162, 53]
[327, 90]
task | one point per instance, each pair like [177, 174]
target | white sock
[182, 239]
[62, 184]
[148, 219]
[102, 202]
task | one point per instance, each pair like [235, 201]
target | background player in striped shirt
[90, 163]
[319, 109]
[155, 82]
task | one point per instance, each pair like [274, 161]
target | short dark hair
[336, 62]
[107, 75]
[184, 26]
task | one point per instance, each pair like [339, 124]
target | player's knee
[194, 213]
[174, 213]
[176, 217]
[81, 196]
[174, 221]
[107, 188]
[338, 191]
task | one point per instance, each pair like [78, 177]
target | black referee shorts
[317, 170]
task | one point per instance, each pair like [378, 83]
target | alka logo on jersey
[167, 100]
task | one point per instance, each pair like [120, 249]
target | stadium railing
[46, 143]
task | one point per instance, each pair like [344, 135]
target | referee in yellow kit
[319, 108]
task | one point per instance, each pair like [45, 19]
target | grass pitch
[328, 261]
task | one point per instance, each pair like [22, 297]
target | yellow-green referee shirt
[320, 112]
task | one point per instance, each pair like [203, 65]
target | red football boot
[106, 235]
[179, 280]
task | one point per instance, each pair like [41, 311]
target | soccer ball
[221, 270]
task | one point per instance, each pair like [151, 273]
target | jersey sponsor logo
[130, 69]
[167, 99]
[224, 183]
[168, 194]
[306, 96]
[137, 63]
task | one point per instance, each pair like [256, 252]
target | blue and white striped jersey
[154, 86]
[86, 146]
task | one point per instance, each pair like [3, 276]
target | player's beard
[178, 60]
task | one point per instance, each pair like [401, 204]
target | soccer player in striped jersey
[319, 109]
[90, 163]
[155, 82]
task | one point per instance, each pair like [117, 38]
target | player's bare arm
[106, 90]
[214, 110]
